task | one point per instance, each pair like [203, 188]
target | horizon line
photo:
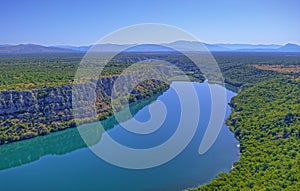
[56, 45]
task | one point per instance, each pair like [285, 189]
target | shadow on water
[62, 142]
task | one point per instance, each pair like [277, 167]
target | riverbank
[56, 143]
[266, 120]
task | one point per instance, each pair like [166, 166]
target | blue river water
[61, 161]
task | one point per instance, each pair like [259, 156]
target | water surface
[61, 161]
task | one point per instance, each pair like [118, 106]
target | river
[61, 161]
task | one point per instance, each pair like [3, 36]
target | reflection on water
[18, 153]
[61, 161]
[59, 143]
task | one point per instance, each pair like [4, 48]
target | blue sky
[83, 22]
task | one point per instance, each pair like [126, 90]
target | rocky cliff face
[35, 105]
[26, 114]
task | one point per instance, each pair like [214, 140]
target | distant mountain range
[182, 45]
[30, 48]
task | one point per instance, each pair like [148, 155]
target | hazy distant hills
[74, 48]
[290, 48]
[249, 46]
[30, 48]
[182, 45]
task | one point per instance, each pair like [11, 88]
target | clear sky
[83, 22]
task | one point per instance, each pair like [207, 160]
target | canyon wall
[26, 114]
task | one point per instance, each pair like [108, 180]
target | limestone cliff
[26, 114]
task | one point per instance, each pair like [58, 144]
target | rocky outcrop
[26, 114]
[37, 105]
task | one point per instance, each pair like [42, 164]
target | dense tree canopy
[266, 121]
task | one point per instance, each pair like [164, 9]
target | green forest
[266, 121]
[20, 72]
